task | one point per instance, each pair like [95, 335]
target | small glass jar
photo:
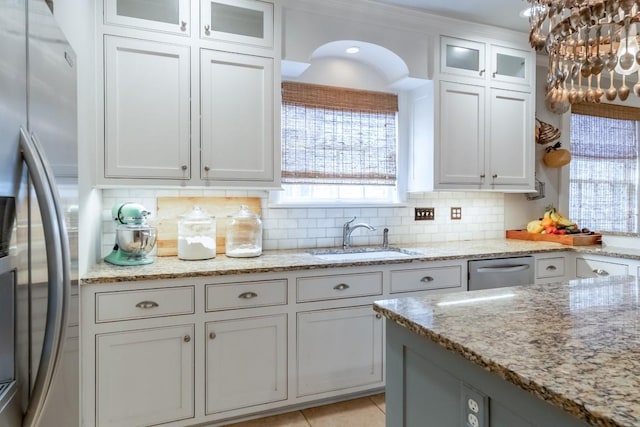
[197, 235]
[244, 235]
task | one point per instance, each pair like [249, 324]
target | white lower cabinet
[338, 349]
[145, 376]
[246, 362]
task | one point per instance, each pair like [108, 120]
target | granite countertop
[574, 344]
[301, 259]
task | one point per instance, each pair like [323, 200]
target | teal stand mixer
[135, 238]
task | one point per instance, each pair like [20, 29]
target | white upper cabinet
[147, 109]
[170, 16]
[486, 61]
[237, 117]
[238, 21]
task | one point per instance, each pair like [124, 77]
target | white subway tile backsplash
[300, 228]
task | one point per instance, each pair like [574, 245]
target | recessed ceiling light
[352, 50]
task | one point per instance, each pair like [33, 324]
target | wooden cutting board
[567, 239]
[171, 208]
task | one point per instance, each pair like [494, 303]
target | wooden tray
[567, 239]
[170, 209]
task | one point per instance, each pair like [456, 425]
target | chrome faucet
[347, 229]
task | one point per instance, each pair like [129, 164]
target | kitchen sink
[356, 254]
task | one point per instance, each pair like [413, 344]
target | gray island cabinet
[562, 354]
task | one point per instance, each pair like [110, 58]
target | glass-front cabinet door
[511, 65]
[462, 57]
[171, 16]
[240, 21]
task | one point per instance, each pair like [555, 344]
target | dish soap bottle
[244, 235]
[197, 235]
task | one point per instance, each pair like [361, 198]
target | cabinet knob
[601, 272]
[341, 287]
[551, 268]
[183, 26]
[207, 30]
[247, 295]
[184, 167]
[212, 335]
[187, 338]
[494, 176]
[378, 316]
[426, 279]
[481, 72]
[207, 168]
[482, 176]
[494, 74]
[147, 304]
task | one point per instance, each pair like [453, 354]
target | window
[338, 144]
[603, 183]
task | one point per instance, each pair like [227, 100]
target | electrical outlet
[475, 407]
[456, 213]
[425, 214]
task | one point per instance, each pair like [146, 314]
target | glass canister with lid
[197, 235]
[244, 235]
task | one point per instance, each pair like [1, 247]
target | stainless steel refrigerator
[38, 219]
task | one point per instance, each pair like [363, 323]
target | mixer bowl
[136, 240]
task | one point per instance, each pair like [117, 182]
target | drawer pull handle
[147, 304]
[341, 287]
[212, 335]
[247, 295]
[601, 272]
[427, 279]
[378, 316]
[187, 338]
[551, 268]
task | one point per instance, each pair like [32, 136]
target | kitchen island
[561, 354]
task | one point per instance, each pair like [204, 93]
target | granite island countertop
[574, 344]
[302, 259]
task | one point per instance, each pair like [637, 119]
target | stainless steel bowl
[136, 240]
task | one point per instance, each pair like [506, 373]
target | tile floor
[361, 412]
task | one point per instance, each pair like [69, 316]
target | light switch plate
[425, 214]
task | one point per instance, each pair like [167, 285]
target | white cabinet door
[237, 96]
[510, 146]
[145, 377]
[462, 57]
[246, 362]
[460, 148]
[511, 65]
[594, 267]
[239, 21]
[338, 349]
[170, 16]
[147, 109]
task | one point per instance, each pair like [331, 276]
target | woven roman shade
[603, 183]
[334, 135]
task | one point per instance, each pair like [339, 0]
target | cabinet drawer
[595, 268]
[550, 267]
[142, 304]
[426, 278]
[339, 286]
[226, 296]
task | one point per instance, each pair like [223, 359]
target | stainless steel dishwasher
[501, 272]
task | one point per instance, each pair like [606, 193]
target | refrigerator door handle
[58, 267]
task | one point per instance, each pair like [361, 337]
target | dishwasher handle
[503, 269]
